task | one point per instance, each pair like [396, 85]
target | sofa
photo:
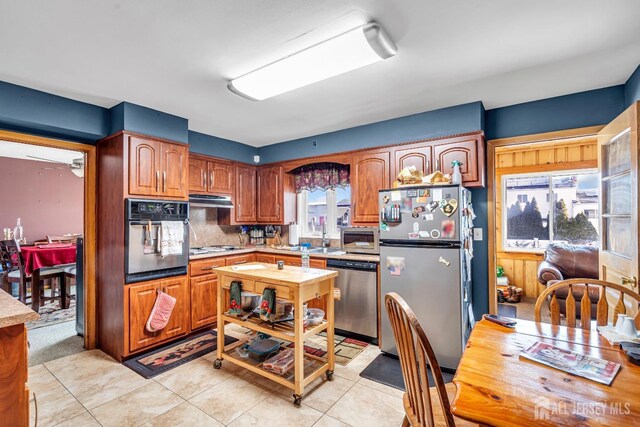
[565, 261]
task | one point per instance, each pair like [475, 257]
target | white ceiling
[176, 56]
[38, 153]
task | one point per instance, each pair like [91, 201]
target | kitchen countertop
[248, 250]
[13, 312]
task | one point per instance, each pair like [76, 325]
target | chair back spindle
[602, 305]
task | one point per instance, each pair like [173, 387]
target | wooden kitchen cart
[290, 284]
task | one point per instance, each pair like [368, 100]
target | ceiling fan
[76, 166]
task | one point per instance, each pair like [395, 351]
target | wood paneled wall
[574, 154]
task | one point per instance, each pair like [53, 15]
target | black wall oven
[143, 260]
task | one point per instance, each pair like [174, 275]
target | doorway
[39, 167]
[543, 188]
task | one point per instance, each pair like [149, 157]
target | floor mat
[385, 369]
[52, 314]
[175, 354]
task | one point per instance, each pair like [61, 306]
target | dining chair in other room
[13, 264]
[71, 238]
[416, 357]
[607, 291]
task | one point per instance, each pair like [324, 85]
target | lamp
[356, 48]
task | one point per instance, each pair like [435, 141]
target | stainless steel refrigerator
[425, 257]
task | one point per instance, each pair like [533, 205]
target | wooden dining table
[495, 386]
[41, 256]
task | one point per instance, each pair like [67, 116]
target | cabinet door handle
[240, 262]
[164, 181]
[211, 179]
[437, 164]
[157, 181]
[202, 184]
[428, 167]
[211, 267]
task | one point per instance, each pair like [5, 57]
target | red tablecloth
[35, 257]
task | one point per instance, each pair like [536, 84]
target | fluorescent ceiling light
[356, 48]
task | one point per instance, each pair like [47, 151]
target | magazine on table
[592, 368]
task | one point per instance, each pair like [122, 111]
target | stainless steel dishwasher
[357, 309]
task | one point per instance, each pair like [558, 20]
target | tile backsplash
[207, 232]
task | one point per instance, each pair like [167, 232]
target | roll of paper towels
[294, 234]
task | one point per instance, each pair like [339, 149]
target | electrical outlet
[477, 234]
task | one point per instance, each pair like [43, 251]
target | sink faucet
[325, 239]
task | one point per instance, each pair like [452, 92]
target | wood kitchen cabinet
[266, 258]
[418, 155]
[369, 174]
[270, 195]
[198, 183]
[204, 288]
[245, 198]
[157, 168]
[468, 150]
[208, 175]
[432, 155]
[141, 298]
[240, 259]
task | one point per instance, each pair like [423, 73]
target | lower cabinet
[266, 258]
[240, 259]
[204, 291]
[141, 298]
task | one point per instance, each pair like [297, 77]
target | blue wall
[219, 147]
[32, 111]
[443, 122]
[594, 107]
[632, 88]
[446, 121]
[135, 118]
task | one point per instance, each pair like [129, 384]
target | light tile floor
[91, 389]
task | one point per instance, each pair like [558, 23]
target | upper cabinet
[157, 168]
[430, 156]
[221, 177]
[468, 150]
[210, 176]
[369, 174]
[270, 194]
[245, 200]
[198, 181]
[418, 155]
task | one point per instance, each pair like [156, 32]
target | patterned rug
[175, 354]
[52, 314]
[346, 348]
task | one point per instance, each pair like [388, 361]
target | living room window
[324, 197]
[544, 207]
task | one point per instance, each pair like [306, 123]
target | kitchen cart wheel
[329, 375]
[217, 364]
[297, 399]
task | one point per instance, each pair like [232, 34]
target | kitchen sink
[323, 250]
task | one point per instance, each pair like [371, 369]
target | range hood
[210, 201]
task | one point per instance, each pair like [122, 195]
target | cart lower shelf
[314, 367]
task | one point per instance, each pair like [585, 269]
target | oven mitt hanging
[161, 312]
[235, 296]
[268, 304]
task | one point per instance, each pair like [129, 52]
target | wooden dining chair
[416, 356]
[13, 265]
[71, 238]
[602, 307]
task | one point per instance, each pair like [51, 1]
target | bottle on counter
[305, 260]
[18, 232]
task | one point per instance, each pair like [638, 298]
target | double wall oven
[143, 260]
